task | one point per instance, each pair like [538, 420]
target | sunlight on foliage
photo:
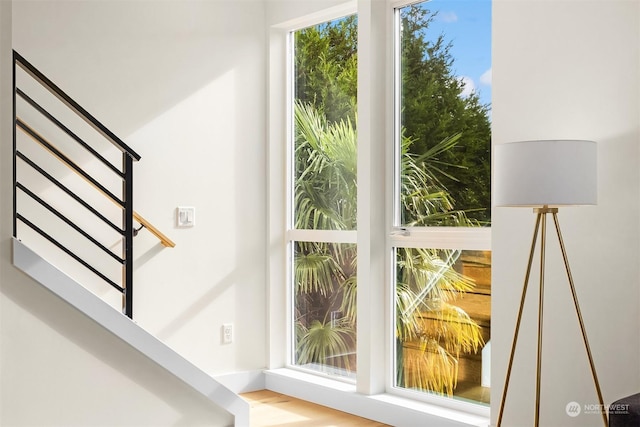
[427, 284]
[323, 341]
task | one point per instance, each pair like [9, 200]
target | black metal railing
[25, 167]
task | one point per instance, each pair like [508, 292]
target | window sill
[385, 408]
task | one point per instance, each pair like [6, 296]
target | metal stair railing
[123, 173]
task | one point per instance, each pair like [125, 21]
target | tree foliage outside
[326, 64]
[325, 193]
[434, 110]
[444, 181]
[325, 273]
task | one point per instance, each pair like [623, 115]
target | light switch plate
[185, 216]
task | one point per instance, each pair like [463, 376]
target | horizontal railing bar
[58, 154]
[73, 105]
[64, 159]
[69, 252]
[69, 192]
[166, 241]
[68, 222]
[68, 131]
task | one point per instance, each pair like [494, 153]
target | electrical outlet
[227, 333]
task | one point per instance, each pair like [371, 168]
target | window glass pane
[444, 109]
[325, 85]
[443, 322]
[324, 180]
[324, 277]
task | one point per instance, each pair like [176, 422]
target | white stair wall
[92, 306]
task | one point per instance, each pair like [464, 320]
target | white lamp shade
[551, 173]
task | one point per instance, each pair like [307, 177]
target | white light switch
[186, 216]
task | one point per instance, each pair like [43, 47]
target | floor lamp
[545, 175]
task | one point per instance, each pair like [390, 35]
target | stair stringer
[92, 306]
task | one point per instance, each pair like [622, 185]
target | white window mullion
[277, 200]
[394, 201]
[372, 210]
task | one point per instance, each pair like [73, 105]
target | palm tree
[325, 273]
[431, 332]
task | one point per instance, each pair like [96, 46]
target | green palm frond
[326, 172]
[408, 325]
[314, 272]
[323, 341]
[431, 331]
[349, 299]
[427, 366]
[426, 280]
[425, 201]
[453, 327]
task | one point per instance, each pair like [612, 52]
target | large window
[440, 236]
[323, 162]
[433, 138]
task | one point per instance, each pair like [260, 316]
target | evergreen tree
[434, 110]
[326, 67]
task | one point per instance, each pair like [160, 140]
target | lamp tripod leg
[543, 245]
[580, 321]
[517, 329]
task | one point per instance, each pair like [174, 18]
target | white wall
[284, 12]
[183, 83]
[58, 367]
[570, 69]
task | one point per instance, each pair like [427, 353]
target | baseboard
[243, 382]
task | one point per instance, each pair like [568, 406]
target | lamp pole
[541, 222]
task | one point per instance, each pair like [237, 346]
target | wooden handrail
[166, 242]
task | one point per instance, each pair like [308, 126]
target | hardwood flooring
[274, 409]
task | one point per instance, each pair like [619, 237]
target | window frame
[461, 238]
[293, 234]
[377, 376]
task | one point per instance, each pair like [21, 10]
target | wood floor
[274, 409]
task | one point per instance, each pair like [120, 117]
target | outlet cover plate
[227, 333]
